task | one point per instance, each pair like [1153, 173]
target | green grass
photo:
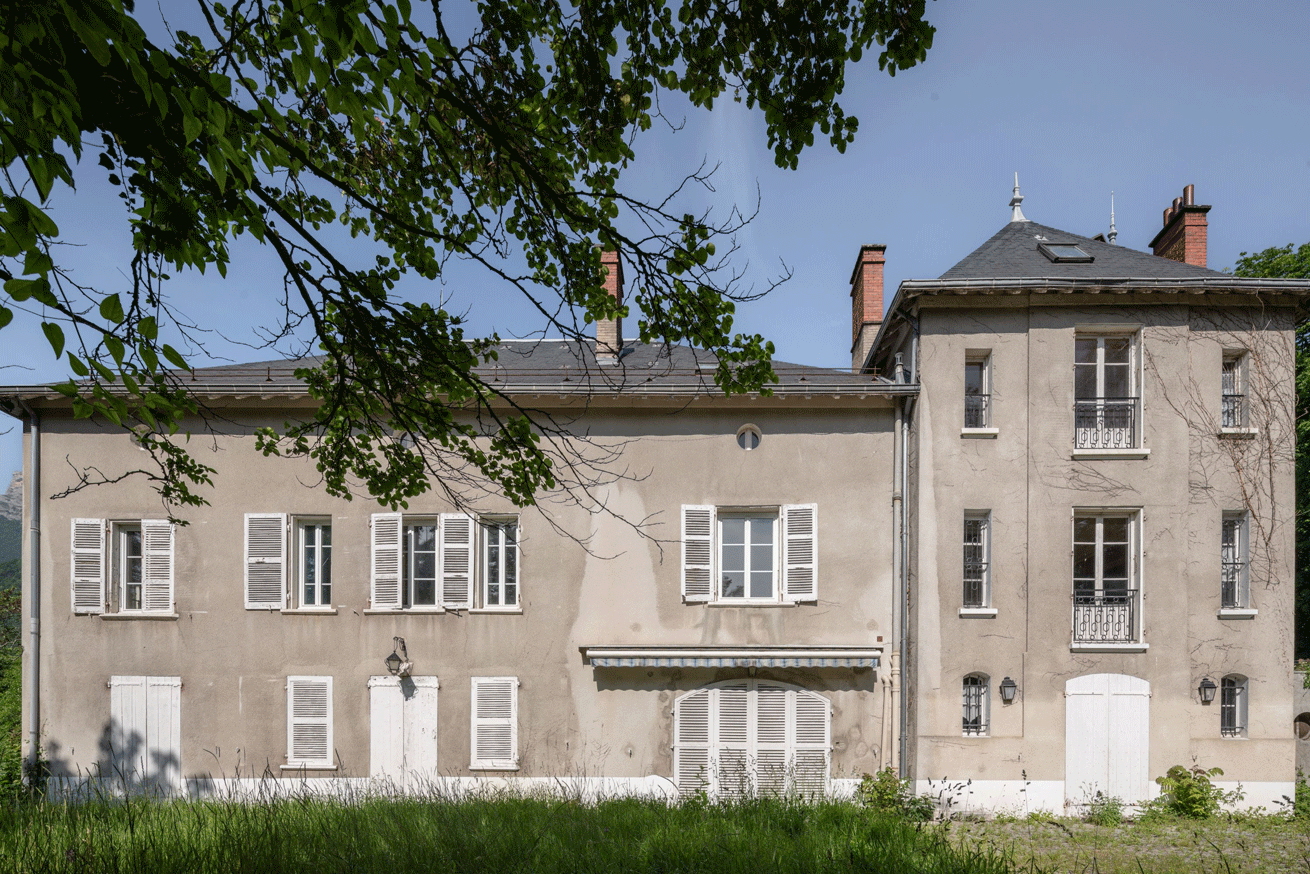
[502, 835]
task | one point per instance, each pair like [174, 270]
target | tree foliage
[300, 124]
[1289, 263]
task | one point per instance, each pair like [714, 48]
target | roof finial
[1017, 215]
[1113, 233]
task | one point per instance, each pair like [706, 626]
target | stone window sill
[406, 611]
[503, 611]
[311, 611]
[977, 612]
[308, 766]
[127, 617]
[1110, 453]
[1237, 613]
[979, 433]
[1238, 433]
[1109, 647]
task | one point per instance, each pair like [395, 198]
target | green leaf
[191, 127]
[115, 347]
[6, 316]
[174, 358]
[55, 335]
[78, 367]
[111, 309]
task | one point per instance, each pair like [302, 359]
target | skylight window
[1064, 253]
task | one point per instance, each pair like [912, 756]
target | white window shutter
[813, 741]
[164, 731]
[309, 721]
[800, 553]
[388, 529]
[458, 532]
[772, 769]
[129, 752]
[697, 552]
[691, 744]
[732, 759]
[386, 729]
[495, 723]
[266, 561]
[157, 565]
[87, 562]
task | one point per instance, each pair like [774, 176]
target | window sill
[504, 611]
[476, 767]
[745, 603]
[1237, 433]
[977, 612]
[124, 617]
[1110, 453]
[308, 766]
[979, 433]
[311, 611]
[1237, 613]
[405, 611]
[1108, 647]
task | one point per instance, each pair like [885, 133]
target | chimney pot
[1184, 235]
[1189, 195]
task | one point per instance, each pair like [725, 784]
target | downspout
[908, 407]
[892, 690]
[32, 498]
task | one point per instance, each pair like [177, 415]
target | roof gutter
[32, 499]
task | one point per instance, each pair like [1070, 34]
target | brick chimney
[866, 302]
[609, 332]
[1183, 237]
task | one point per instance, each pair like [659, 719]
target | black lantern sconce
[398, 663]
[1206, 689]
[1008, 690]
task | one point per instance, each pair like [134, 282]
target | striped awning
[732, 657]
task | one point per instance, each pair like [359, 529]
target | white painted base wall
[1013, 797]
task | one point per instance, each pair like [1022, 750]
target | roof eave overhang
[700, 656]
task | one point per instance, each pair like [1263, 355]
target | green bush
[888, 793]
[1301, 800]
[1102, 809]
[1189, 792]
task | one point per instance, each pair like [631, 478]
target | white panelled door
[403, 730]
[1107, 738]
[146, 733]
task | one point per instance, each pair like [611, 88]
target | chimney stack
[866, 303]
[1183, 237]
[609, 332]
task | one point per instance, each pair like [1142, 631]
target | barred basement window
[977, 591]
[975, 705]
[1232, 706]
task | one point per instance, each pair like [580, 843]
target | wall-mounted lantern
[398, 663]
[1206, 689]
[1008, 690]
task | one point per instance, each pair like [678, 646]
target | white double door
[1107, 719]
[403, 730]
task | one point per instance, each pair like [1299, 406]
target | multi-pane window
[500, 564]
[977, 391]
[1234, 587]
[419, 564]
[747, 557]
[1233, 410]
[128, 570]
[1105, 402]
[1104, 590]
[1232, 706]
[975, 704]
[315, 563]
[977, 569]
[122, 566]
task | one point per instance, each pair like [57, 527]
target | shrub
[1102, 809]
[888, 793]
[1189, 792]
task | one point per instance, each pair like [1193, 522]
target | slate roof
[543, 367]
[1012, 253]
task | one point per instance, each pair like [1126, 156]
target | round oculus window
[748, 437]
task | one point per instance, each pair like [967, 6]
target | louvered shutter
[691, 745]
[129, 751]
[813, 740]
[495, 723]
[385, 577]
[697, 552]
[800, 555]
[266, 561]
[88, 566]
[457, 550]
[771, 766]
[732, 735]
[386, 716]
[157, 565]
[309, 721]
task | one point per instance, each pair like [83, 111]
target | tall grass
[484, 836]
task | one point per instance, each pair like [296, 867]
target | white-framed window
[1232, 706]
[977, 559]
[1106, 403]
[494, 727]
[977, 390]
[745, 737]
[975, 705]
[750, 555]
[309, 723]
[1106, 593]
[1234, 579]
[1233, 405]
[288, 562]
[500, 564]
[121, 566]
[449, 561]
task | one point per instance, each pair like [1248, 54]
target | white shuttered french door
[1107, 738]
[403, 730]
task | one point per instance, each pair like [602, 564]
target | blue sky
[1138, 98]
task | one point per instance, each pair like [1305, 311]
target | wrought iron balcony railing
[977, 411]
[1105, 617]
[1234, 411]
[1233, 589]
[975, 584]
[1105, 423]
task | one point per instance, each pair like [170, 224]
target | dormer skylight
[1064, 253]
